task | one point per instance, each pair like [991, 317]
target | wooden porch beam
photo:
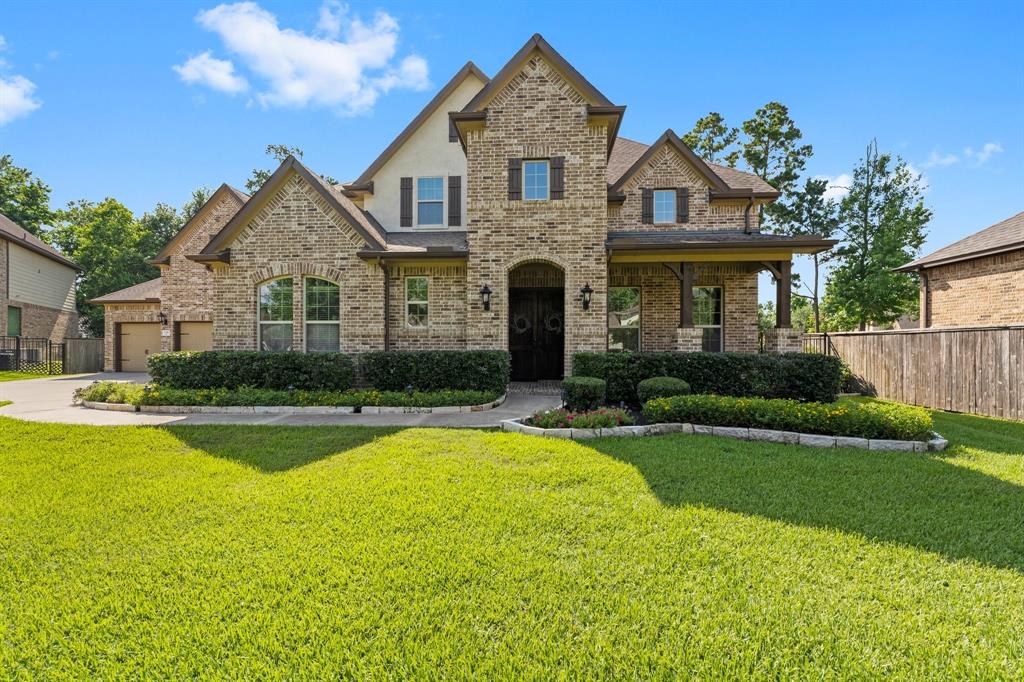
[686, 295]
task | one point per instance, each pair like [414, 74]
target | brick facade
[977, 292]
[446, 322]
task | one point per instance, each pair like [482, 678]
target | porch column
[688, 337]
[784, 295]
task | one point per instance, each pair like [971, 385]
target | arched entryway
[536, 321]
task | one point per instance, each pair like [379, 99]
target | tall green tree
[110, 244]
[23, 198]
[158, 227]
[882, 224]
[713, 140]
[772, 150]
[279, 153]
[808, 212]
[200, 195]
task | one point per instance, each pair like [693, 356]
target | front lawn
[18, 376]
[254, 552]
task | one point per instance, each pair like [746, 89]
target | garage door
[195, 336]
[138, 340]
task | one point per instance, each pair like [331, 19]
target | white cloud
[989, 150]
[838, 187]
[218, 74]
[346, 65]
[937, 160]
[16, 98]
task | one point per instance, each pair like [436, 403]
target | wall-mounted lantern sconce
[162, 318]
[485, 296]
[587, 293]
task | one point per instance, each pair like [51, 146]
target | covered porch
[698, 291]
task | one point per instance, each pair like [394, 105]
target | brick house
[37, 286]
[977, 281]
[508, 214]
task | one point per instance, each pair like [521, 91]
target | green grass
[253, 552]
[18, 376]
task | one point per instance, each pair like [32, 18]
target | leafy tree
[110, 244]
[158, 226]
[279, 153]
[882, 223]
[24, 199]
[200, 195]
[772, 149]
[801, 315]
[808, 212]
[711, 138]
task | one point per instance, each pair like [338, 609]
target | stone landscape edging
[936, 444]
[289, 409]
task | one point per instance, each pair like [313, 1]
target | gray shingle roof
[1006, 235]
[144, 292]
[16, 234]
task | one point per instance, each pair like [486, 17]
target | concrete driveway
[48, 399]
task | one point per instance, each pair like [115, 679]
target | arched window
[323, 314]
[275, 319]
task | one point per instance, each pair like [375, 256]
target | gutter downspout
[387, 304]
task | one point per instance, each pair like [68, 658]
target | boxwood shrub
[861, 420]
[433, 370]
[661, 387]
[583, 393]
[232, 369]
[798, 376]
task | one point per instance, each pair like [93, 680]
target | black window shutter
[405, 214]
[557, 177]
[682, 204]
[454, 200]
[647, 205]
[453, 134]
[515, 179]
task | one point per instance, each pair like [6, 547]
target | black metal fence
[819, 343]
[30, 355]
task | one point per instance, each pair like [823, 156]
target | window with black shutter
[557, 177]
[454, 200]
[682, 204]
[515, 179]
[405, 212]
[647, 205]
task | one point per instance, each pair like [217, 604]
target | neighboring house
[37, 286]
[508, 214]
[977, 281]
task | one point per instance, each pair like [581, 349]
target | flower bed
[594, 419]
[156, 397]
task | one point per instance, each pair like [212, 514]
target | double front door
[536, 333]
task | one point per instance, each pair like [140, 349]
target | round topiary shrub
[583, 393]
[661, 387]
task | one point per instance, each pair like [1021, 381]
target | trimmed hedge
[661, 387]
[233, 369]
[798, 376]
[860, 420]
[433, 370]
[583, 393]
[605, 418]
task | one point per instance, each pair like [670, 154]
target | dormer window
[664, 206]
[535, 180]
[430, 201]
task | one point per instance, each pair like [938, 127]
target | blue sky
[91, 101]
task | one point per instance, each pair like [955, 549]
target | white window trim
[444, 203]
[654, 208]
[721, 318]
[405, 311]
[260, 323]
[305, 319]
[547, 186]
[640, 327]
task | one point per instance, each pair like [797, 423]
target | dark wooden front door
[536, 333]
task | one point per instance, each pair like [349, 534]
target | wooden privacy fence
[83, 355]
[973, 369]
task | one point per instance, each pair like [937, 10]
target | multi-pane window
[417, 294]
[430, 201]
[664, 205]
[624, 318]
[13, 321]
[275, 319]
[707, 314]
[323, 314]
[535, 180]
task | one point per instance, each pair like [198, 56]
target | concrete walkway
[49, 400]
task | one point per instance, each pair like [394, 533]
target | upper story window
[323, 314]
[535, 180]
[275, 320]
[430, 202]
[664, 206]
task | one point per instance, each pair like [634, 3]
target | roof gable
[1006, 235]
[470, 69]
[669, 138]
[224, 192]
[217, 249]
[515, 65]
